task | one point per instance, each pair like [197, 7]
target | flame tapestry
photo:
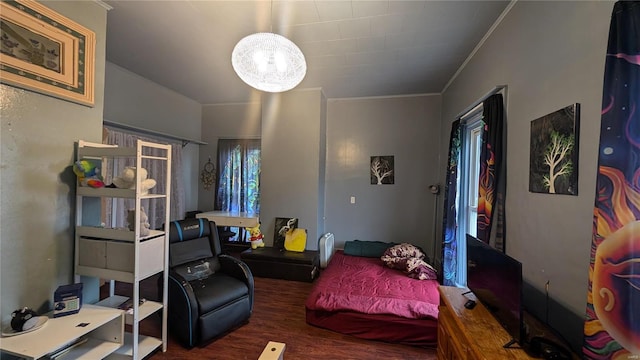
[492, 174]
[612, 325]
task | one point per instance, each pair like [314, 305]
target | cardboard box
[273, 351]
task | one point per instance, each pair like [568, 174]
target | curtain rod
[185, 141]
[495, 90]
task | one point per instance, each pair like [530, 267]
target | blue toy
[88, 174]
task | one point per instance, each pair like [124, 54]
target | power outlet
[352, 200]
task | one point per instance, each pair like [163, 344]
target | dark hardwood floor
[278, 315]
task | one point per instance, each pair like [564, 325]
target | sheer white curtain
[116, 209]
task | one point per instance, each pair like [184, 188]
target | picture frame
[553, 152]
[382, 170]
[283, 224]
[45, 52]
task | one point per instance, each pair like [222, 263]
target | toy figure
[127, 180]
[88, 173]
[256, 237]
[144, 221]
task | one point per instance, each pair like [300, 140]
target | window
[469, 173]
[238, 188]
[474, 140]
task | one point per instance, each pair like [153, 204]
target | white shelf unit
[119, 254]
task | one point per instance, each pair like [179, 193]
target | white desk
[102, 327]
[227, 218]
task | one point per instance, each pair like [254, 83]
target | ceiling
[353, 48]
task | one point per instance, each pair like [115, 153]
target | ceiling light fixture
[269, 62]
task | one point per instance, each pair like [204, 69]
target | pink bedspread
[365, 285]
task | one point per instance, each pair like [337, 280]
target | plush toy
[256, 237]
[144, 221]
[127, 180]
[88, 173]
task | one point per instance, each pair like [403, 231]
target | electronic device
[470, 304]
[67, 300]
[496, 280]
[326, 249]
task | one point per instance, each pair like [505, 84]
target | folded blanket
[366, 248]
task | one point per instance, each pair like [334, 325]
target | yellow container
[296, 240]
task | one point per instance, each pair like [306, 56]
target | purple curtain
[450, 225]
[612, 324]
[491, 170]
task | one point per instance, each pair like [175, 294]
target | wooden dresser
[470, 334]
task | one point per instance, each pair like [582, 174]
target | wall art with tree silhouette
[553, 165]
[382, 171]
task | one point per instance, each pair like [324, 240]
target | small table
[102, 327]
[228, 218]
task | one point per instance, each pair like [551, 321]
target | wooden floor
[279, 315]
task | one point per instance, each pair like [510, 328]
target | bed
[362, 297]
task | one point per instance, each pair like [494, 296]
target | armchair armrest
[184, 313]
[239, 270]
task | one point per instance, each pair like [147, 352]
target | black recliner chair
[209, 293]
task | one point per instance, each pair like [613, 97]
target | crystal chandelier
[269, 62]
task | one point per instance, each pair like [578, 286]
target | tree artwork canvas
[283, 224]
[382, 171]
[553, 165]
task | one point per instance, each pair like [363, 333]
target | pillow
[404, 250]
[366, 248]
[410, 259]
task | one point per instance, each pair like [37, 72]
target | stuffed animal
[144, 221]
[127, 180]
[88, 173]
[256, 237]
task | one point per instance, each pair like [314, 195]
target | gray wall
[133, 100]
[550, 54]
[339, 150]
[232, 121]
[37, 185]
[292, 156]
[407, 127]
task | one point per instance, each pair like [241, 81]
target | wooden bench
[282, 264]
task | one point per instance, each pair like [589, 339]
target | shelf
[113, 234]
[102, 273]
[100, 152]
[112, 301]
[153, 157]
[96, 150]
[114, 192]
[470, 334]
[116, 259]
[146, 345]
[147, 308]
[90, 350]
